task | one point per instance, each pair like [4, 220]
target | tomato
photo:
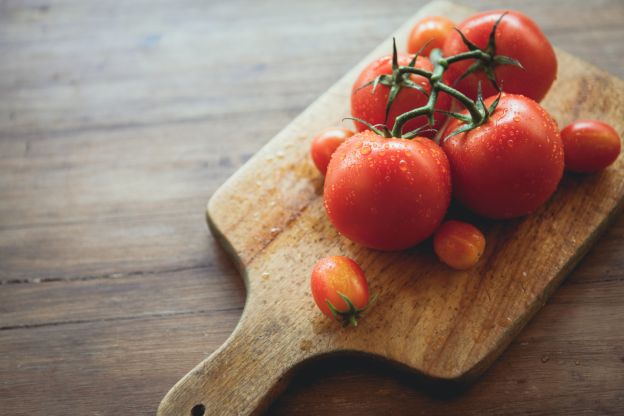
[510, 165]
[334, 277]
[325, 143]
[371, 107]
[387, 194]
[589, 145]
[458, 244]
[517, 37]
[432, 29]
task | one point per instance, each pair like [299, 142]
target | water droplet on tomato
[516, 119]
[365, 150]
[402, 165]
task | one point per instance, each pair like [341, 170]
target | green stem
[435, 80]
[416, 71]
[439, 65]
[397, 129]
[476, 54]
[470, 105]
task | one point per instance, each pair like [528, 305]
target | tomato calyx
[399, 78]
[379, 129]
[382, 129]
[485, 59]
[471, 122]
[351, 315]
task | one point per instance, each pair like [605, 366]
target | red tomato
[335, 276]
[387, 194]
[589, 145]
[517, 37]
[325, 143]
[510, 165]
[371, 107]
[432, 29]
[458, 244]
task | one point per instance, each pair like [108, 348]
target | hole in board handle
[198, 410]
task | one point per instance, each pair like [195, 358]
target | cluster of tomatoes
[500, 154]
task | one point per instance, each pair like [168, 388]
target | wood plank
[47, 92]
[83, 365]
[218, 286]
[87, 368]
[79, 251]
[204, 289]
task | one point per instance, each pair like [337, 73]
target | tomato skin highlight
[510, 165]
[517, 37]
[371, 107]
[338, 274]
[432, 29]
[458, 244]
[325, 144]
[387, 194]
[589, 145]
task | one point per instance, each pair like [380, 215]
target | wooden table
[118, 120]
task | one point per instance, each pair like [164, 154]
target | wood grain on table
[118, 120]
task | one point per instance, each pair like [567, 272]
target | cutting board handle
[241, 377]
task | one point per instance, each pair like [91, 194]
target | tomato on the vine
[325, 144]
[458, 244]
[387, 193]
[430, 31]
[589, 145]
[339, 288]
[517, 37]
[368, 102]
[511, 164]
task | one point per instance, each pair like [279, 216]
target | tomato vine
[485, 60]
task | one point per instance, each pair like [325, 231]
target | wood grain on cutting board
[441, 323]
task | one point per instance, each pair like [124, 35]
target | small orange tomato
[459, 244]
[325, 143]
[589, 145]
[432, 29]
[339, 288]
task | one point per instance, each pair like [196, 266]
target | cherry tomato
[334, 277]
[371, 107]
[510, 165]
[432, 29]
[387, 194]
[589, 145]
[325, 143]
[517, 37]
[458, 244]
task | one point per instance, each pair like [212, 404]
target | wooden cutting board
[440, 323]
